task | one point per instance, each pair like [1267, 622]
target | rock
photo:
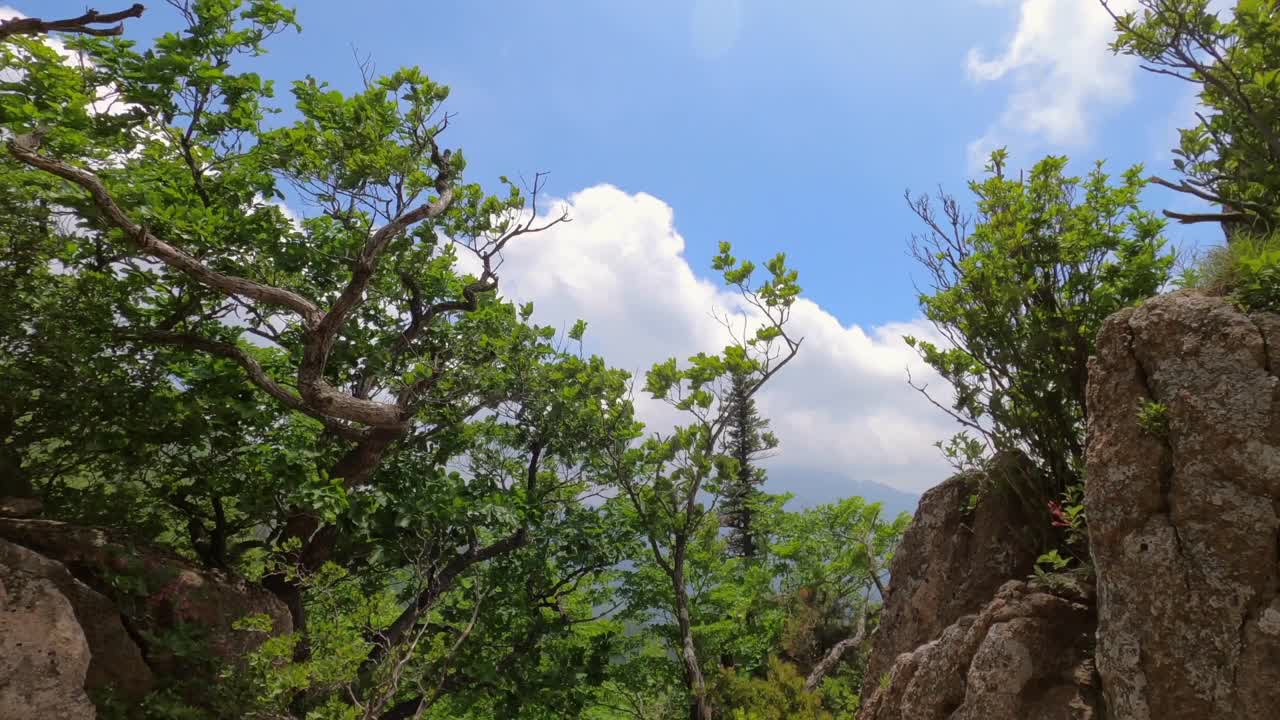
[159, 593]
[116, 663]
[1025, 656]
[952, 560]
[1183, 524]
[44, 656]
[20, 506]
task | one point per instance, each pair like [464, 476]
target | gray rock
[951, 562]
[44, 656]
[1183, 526]
[1025, 656]
[116, 661]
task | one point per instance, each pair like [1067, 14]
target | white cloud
[842, 408]
[1059, 70]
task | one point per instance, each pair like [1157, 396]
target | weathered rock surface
[116, 662]
[44, 656]
[1183, 524]
[157, 592]
[950, 563]
[1025, 656]
[121, 600]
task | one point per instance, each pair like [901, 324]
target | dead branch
[83, 25]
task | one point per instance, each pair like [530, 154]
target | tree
[673, 482]
[1231, 158]
[456, 504]
[747, 438]
[836, 558]
[317, 382]
[1018, 292]
[173, 180]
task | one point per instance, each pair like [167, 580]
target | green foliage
[472, 570]
[1060, 573]
[1049, 568]
[510, 544]
[1051, 561]
[1153, 417]
[779, 695]
[1247, 269]
[1071, 516]
[144, 396]
[845, 547]
[672, 483]
[964, 452]
[747, 438]
[1019, 295]
[1258, 287]
[1239, 269]
[1232, 156]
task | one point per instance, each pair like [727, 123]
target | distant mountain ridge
[815, 487]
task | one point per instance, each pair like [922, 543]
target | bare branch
[82, 25]
[1192, 218]
[837, 652]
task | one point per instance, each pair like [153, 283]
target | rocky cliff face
[82, 614]
[1025, 656]
[957, 639]
[1183, 523]
[1184, 531]
[950, 563]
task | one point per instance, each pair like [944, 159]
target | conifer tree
[747, 439]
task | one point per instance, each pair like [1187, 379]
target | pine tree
[747, 438]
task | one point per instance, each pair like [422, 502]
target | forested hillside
[275, 443]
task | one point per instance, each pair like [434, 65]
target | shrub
[1018, 289]
[1247, 270]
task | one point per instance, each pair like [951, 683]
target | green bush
[1259, 287]
[1017, 289]
[1247, 270]
[780, 695]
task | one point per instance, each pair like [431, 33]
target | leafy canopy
[1231, 157]
[1018, 291]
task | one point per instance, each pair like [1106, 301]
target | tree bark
[835, 654]
[83, 25]
[697, 684]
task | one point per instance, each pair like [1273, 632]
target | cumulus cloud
[842, 409]
[1059, 70]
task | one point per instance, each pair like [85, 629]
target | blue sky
[797, 132]
[776, 125]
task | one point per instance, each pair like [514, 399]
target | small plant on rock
[1153, 417]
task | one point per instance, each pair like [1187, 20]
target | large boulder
[167, 604]
[44, 656]
[953, 558]
[115, 665]
[1025, 656]
[1182, 509]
